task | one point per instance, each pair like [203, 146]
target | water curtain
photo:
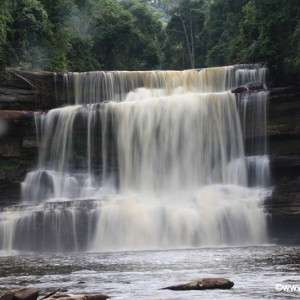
[147, 160]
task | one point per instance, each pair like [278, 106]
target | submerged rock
[203, 284]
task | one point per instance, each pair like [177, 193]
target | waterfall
[253, 113]
[147, 160]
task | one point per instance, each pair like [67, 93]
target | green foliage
[183, 32]
[112, 31]
[59, 45]
[266, 34]
[5, 19]
[79, 53]
[293, 60]
[148, 31]
[6, 51]
[126, 36]
[26, 34]
[59, 11]
[82, 35]
[221, 32]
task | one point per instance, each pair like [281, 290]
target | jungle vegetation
[81, 35]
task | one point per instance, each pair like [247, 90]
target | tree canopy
[81, 35]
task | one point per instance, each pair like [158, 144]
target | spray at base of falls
[147, 160]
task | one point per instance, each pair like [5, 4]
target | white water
[160, 165]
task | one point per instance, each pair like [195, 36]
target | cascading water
[146, 160]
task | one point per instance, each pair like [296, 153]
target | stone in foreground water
[21, 294]
[203, 284]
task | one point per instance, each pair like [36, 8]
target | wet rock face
[284, 134]
[16, 93]
[18, 152]
[18, 144]
[27, 90]
[283, 206]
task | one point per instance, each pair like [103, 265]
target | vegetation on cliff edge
[81, 35]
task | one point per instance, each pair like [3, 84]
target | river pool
[255, 272]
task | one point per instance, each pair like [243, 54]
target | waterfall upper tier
[99, 86]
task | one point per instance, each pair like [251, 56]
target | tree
[70, 43]
[60, 12]
[28, 32]
[183, 28]
[5, 20]
[148, 35]
[222, 31]
[80, 56]
[126, 36]
[292, 61]
[266, 34]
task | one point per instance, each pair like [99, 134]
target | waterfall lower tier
[150, 160]
[214, 215]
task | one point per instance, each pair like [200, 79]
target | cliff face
[284, 133]
[18, 152]
[25, 93]
[284, 149]
[30, 90]
[21, 94]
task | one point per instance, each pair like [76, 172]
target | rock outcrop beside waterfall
[18, 152]
[31, 91]
[283, 130]
[284, 151]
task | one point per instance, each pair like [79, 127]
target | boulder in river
[21, 294]
[203, 284]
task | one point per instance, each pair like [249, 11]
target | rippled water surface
[140, 275]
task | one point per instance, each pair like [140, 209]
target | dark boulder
[9, 295]
[255, 85]
[239, 90]
[203, 284]
[251, 86]
[96, 297]
[26, 294]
